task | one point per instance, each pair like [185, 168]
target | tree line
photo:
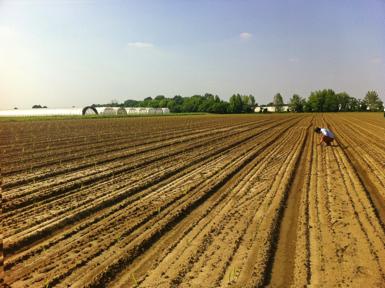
[318, 101]
[197, 103]
[328, 101]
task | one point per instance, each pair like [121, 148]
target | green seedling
[233, 275]
[134, 279]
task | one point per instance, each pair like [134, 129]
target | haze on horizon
[64, 53]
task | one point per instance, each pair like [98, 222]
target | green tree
[278, 102]
[323, 101]
[178, 99]
[174, 108]
[362, 105]
[353, 105]
[373, 101]
[343, 100]
[131, 103]
[316, 100]
[188, 105]
[209, 97]
[306, 106]
[296, 103]
[175, 104]
[251, 103]
[248, 102]
[331, 102]
[163, 103]
[236, 104]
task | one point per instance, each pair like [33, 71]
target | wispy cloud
[140, 45]
[376, 60]
[245, 35]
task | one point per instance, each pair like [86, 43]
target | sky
[64, 53]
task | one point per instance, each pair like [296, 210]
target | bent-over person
[327, 136]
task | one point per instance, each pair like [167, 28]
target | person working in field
[327, 136]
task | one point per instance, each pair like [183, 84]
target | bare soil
[194, 201]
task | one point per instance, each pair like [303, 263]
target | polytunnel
[110, 111]
[89, 110]
[151, 110]
[131, 110]
[143, 111]
[121, 111]
[158, 111]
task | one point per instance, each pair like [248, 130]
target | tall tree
[343, 100]
[296, 103]
[178, 99]
[331, 102]
[278, 102]
[248, 102]
[236, 104]
[353, 105]
[323, 101]
[316, 101]
[373, 101]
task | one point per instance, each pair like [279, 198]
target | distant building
[271, 108]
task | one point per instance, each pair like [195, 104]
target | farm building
[271, 108]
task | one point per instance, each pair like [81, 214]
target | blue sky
[73, 53]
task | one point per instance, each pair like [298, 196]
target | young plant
[134, 279]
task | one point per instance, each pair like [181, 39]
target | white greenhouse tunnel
[88, 110]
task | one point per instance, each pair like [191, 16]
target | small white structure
[146, 110]
[132, 110]
[150, 110]
[121, 111]
[285, 108]
[100, 110]
[271, 108]
[142, 111]
[107, 110]
[89, 110]
[158, 111]
[110, 111]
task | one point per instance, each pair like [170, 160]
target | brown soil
[202, 201]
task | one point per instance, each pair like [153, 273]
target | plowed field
[194, 201]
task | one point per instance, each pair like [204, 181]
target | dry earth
[194, 201]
